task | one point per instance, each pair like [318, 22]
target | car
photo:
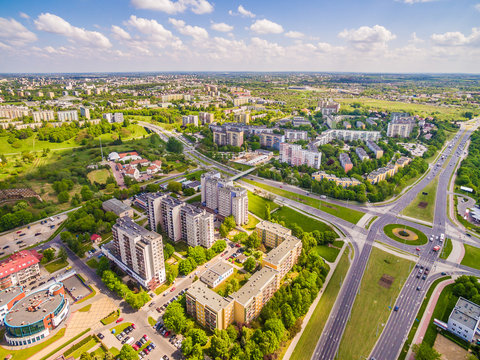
[123, 333]
[146, 351]
[418, 288]
[165, 357]
[6, 247]
[163, 332]
[125, 339]
[138, 343]
[421, 267]
[172, 289]
[166, 334]
[158, 309]
[133, 326]
[418, 249]
[143, 340]
[424, 277]
[468, 234]
[130, 328]
[100, 336]
[142, 354]
[151, 304]
[135, 347]
[418, 276]
[119, 320]
[444, 273]
[127, 330]
[153, 345]
[420, 271]
[119, 338]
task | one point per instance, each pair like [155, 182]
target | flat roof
[19, 261]
[213, 273]
[116, 206]
[132, 228]
[466, 313]
[9, 294]
[276, 255]
[274, 228]
[254, 285]
[207, 297]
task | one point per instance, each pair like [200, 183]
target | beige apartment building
[231, 136]
[272, 234]
[45, 115]
[284, 256]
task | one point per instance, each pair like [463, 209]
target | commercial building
[118, 207]
[345, 161]
[377, 150]
[346, 135]
[295, 135]
[44, 115]
[190, 120]
[294, 155]
[85, 112]
[271, 234]
[220, 195]
[343, 182]
[19, 269]
[361, 153]
[243, 118]
[271, 141]
[401, 125]
[284, 256]
[464, 319]
[137, 251]
[206, 118]
[33, 317]
[8, 298]
[216, 274]
[68, 115]
[223, 136]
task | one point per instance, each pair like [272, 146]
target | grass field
[252, 223]
[86, 308]
[161, 289]
[258, 204]
[306, 345]
[196, 198]
[111, 318]
[373, 303]
[93, 263]
[471, 257]
[447, 249]
[422, 238]
[423, 213]
[56, 265]
[100, 176]
[151, 321]
[28, 353]
[328, 253]
[120, 327]
[84, 348]
[344, 213]
[308, 224]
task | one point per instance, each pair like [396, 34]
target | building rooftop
[278, 254]
[19, 261]
[116, 206]
[212, 274]
[254, 285]
[275, 228]
[9, 294]
[207, 297]
[132, 228]
[466, 313]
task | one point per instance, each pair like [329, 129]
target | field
[447, 249]
[258, 204]
[93, 263]
[308, 224]
[196, 198]
[55, 265]
[472, 254]
[388, 230]
[427, 211]
[327, 252]
[344, 213]
[252, 223]
[373, 303]
[99, 176]
[306, 345]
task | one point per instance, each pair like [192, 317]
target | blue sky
[196, 35]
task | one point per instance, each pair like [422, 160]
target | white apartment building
[137, 251]
[190, 119]
[197, 226]
[206, 118]
[45, 115]
[328, 107]
[464, 319]
[295, 135]
[400, 127]
[68, 115]
[294, 155]
[13, 112]
[346, 135]
[85, 112]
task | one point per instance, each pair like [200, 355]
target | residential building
[328, 107]
[68, 115]
[39, 94]
[360, 125]
[50, 94]
[347, 125]
[295, 135]
[197, 226]
[8, 298]
[223, 136]
[388, 171]
[345, 161]
[300, 121]
[137, 251]
[401, 125]
[117, 117]
[85, 112]
[240, 101]
[371, 121]
[377, 150]
[272, 141]
[464, 319]
[190, 120]
[346, 135]
[343, 182]
[361, 153]
[206, 118]
[208, 308]
[19, 269]
[271, 234]
[294, 155]
[243, 118]
[216, 274]
[44, 115]
[13, 112]
[117, 207]
[284, 256]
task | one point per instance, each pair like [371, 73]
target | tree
[174, 317]
[62, 254]
[48, 255]
[63, 197]
[185, 267]
[85, 356]
[425, 352]
[223, 230]
[220, 344]
[197, 253]
[86, 193]
[174, 186]
[250, 264]
[103, 265]
[229, 222]
[275, 326]
[198, 336]
[128, 353]
[253, 241]
[168, 251]
[175, 146]
[219, 246]
[189, 192]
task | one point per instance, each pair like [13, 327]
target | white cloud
[267, 48]
[14, 33]
[265, 26]
[477, 7]
[294, 34]
[414, 39]
[120, 33]
[158, 35]
[56, 25]
[244, 12]
[175, 7]
[367, 38]
[222, 27]
[457, 38]
[197, 32]
[23, 15]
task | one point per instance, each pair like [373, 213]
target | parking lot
[29, 235]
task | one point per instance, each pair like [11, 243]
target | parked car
[172, 289]
[166, 334]
[119, 320]
[100, 336]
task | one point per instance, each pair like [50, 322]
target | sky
[396, 36]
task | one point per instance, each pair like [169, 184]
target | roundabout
[405, 234]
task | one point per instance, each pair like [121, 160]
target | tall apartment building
[243, 118]
[206, 118]
[13, 112]
[85, 112]
[300, 121]
[346, 135]
[294, 155]
[44, 115]
[228, 136]
[377, 150]
[240, 101]
[220, 195]
[137, 251]
[271, 234]
[272, 141]
[284, 256]
[328, 107]
[401, 125]
[295, 135]
[68, 115]
[180, 221]
[190, 119]
[345, 161]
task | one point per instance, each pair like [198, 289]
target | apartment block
[328, 107]
[45, 115]
[360, 125]
[377, 150]
[361, 153]
[343, 182]
[345, 161]
[295, 135]
[228, 136]
[190, 120]
[401, 125]
[271, 141]
[206, 118]
[208, 308]
[284, 256]
[19, 269]
[216, 274]
[197, 226]
[68, 115]
[85, 112]
[388, 171]
[346, 135]
[347, 125]
[50, 94]
[137, 251]
[240, 101]
[272, 234]
[243, 118]
[13, 112]
[294, 155]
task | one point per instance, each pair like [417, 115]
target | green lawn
[328, 253]
[308, 224]
[373, 303]
[447, 249]
[344, 213]
[423, 213]
[161, 289]
[49, 355]
[28, 353]
[151, 321]
[306, 345]
[85, 308]
[197, 198]
[120, 327]
[56, 265]
[84, 348]
[111, 318]
[258, 204]
[100, 176]
[93, 263]
[367, 226]
[471, 257]
[236, 275]
[252, 223]
[422, 238]
[181, 247]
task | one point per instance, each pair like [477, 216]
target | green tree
[48, 255]
[223, 230]
[198, 336]
[250, 264]
[62, 254]
[253, 241]
[220, 344]
[168, 251]
[63, 197]
[230, 222]
[175, 146]
[128, 353]
[86, 193]
[425, 352]
[174, 186]
[219, 246]
[174, 317]
[103, 265]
